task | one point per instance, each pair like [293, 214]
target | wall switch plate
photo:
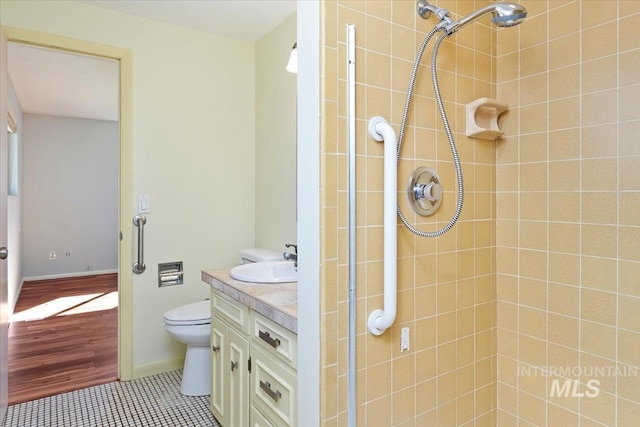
[143, 205]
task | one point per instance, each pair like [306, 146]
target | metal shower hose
[445, 122]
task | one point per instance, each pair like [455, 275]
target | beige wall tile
[564, 82]
[600, 141]
[531, 409]
[564, 299]
[600, 207]
[564, 237]
[629, 243]
[563, 330]
[564, 268]
[532, 322]
[629, 29]
[564, 176]
[599, 74]
[599, 240]
[601, 408]
[599, 41]
[558, 225]
[629, 208]
[564, 206]
[599, 273]
[598, 306]
[629, 176]
[628, 347]
[564, 51]
[563, 20]
[564, 144]
[629, 64]
[627, 103]
[598, 339]
[628, 412]
[628, 273]
[564, 113]
[628, 318]
[599, 108]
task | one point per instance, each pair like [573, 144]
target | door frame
[125, 173]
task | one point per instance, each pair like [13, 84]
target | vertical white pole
[351, 137]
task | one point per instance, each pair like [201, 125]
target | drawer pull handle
[234, 366]
[266, 387]
[215, 348]
[264, 336]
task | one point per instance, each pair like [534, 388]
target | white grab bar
[380, 320]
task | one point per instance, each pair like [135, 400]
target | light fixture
[292, 65]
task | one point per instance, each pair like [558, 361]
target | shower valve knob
[428, 191]
[424, 190]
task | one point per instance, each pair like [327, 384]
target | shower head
[504, 15]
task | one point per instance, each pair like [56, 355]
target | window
[12, 133]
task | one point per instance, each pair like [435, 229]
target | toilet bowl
[191, 324]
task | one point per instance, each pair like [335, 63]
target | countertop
[276, 301]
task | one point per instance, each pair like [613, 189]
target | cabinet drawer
[234, 312]
[273, 388]
[257, 420]
[276, 340]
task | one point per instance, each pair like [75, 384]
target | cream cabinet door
[219, 376]
[238, 415]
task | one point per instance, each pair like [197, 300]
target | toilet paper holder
[170, 273]
[482, 118]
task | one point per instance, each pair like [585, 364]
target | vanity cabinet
[254, 360]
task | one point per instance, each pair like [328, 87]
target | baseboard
[63, 275]
[15, 299]
[158, 367]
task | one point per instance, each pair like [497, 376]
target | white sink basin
[266, 272]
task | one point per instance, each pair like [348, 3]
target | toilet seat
[197, 313]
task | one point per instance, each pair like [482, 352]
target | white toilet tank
[259, 255]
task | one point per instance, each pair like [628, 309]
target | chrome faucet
[291, 256]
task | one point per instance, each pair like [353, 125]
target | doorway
[124, 174]
[65, 218]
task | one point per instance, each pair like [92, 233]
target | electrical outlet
[404, 340]
[87, 265]
[52, 255]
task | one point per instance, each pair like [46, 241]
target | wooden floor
[73, 347]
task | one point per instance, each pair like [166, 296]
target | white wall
[70, 195]
[193, 150]
[14, 214]
[275, 139]
[4, 312]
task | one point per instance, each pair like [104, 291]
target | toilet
[190, 324]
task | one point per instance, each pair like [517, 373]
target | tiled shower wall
[446, 285]
[568, 216]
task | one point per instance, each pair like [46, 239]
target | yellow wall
[193, 145]
[568, 214]
[446, 285]
[275, 139]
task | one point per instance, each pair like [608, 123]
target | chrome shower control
[424, 191]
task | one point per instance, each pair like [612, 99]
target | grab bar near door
[138, 266]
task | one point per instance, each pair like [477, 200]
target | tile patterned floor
[144, 402]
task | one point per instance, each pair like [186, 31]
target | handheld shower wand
[504, 15]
